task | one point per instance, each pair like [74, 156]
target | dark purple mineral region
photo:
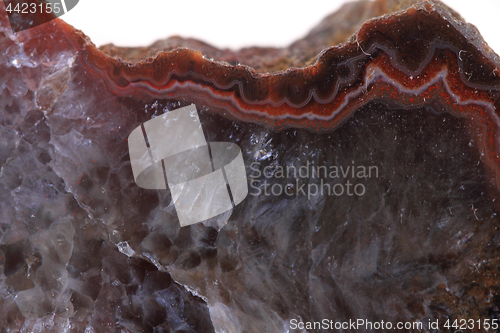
[372, 154]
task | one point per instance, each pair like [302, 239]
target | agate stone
[371, 150]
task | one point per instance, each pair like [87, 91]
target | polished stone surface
[410, 102]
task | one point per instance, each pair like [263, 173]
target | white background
[233, 23]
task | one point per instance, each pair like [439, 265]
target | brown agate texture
[405, 88]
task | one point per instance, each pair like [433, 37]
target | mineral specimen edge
[84, 248]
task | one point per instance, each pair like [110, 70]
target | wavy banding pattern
[414, 95]
[438, 62]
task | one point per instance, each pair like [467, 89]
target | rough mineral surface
[411, 98]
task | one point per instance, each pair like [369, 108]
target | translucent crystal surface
[372, 177]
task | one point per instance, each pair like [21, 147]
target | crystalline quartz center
[413, 94]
